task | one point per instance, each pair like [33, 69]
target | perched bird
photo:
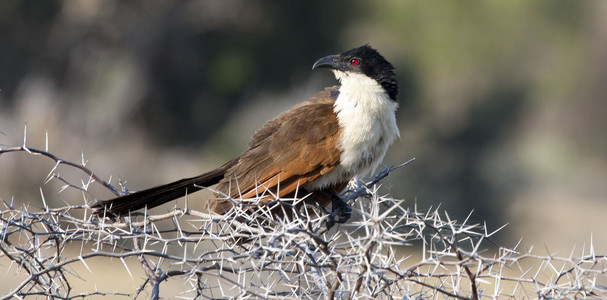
[316, 147]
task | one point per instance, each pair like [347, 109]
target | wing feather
[289, 151]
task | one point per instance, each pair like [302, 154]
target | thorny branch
[385, 251]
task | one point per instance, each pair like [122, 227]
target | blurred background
[502, 103]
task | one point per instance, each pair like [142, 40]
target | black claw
[340, 212]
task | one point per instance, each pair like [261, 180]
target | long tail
[161, 194]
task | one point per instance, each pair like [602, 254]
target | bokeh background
[503, 103]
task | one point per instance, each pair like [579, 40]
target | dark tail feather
[159, 195]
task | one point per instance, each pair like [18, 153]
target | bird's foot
[340, 212]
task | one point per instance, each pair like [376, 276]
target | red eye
[354, 62]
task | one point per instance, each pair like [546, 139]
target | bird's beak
[331, 62]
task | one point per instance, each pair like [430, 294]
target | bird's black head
[364, 60]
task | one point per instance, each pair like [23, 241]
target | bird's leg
[340, 209]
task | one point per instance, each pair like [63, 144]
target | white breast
[367, 120]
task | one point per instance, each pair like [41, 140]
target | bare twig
[373, 257]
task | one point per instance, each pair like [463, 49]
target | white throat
[367, 121]
[366, 115]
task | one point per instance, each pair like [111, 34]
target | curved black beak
[330, 62]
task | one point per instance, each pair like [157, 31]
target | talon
[340, 212]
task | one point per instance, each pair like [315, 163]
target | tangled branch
[387, 250]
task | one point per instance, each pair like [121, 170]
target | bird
[316, 147]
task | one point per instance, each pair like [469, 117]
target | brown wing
[289, 151]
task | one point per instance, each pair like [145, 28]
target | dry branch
[386, 251]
